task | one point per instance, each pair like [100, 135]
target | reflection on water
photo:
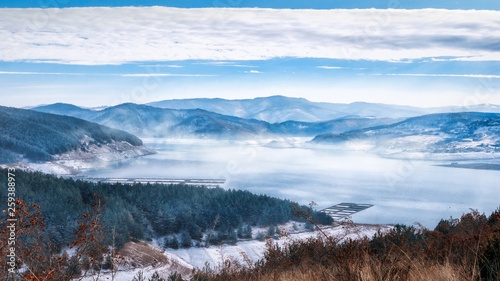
[403, 191]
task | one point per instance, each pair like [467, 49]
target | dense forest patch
[143, 211]
[39, 136]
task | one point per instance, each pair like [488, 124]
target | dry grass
[458, 250]
[367, 270]
[141, 255]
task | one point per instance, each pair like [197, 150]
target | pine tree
[171, 242]
[271, 231]
[241, 232]
[156, 277]
[248, 232]
[185, 240]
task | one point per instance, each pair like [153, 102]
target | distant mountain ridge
[37, 136]
[148, 121]
[277, 109]
[435, 133]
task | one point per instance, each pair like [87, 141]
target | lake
[402, 191]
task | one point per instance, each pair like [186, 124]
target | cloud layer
[93, 36]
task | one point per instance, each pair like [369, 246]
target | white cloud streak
[329, 67]
[225, 63]
[162, 65]
[164, 75]
[97, 35]
[445, 75]
[38, 73]
[106, 74]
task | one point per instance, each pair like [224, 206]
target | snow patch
[90, 156]
[251, 251]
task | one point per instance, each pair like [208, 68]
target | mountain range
[427, 132]
[435, 133]
[277, 109]
[148, 121]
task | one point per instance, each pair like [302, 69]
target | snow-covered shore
[93, 156]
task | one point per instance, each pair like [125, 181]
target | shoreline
[473, 166]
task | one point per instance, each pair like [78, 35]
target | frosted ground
[184, 260]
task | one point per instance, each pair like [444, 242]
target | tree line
[145, 211]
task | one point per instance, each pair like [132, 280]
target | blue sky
[275, 4]
[104, 56]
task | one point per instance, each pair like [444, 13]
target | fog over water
[402, 191]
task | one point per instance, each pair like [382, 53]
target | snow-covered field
[254, 249]
[149, 258]
[145, 258]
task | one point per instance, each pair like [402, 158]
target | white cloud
[253, 71]
[242, 65]
[94, 35]
[329, 67]
[38, 73]
[225, 63]
[445, 75]
[162, 75]
[105, 74]
[161, 65]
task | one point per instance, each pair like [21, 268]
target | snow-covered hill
[436, 133]
[253, 250]
[31, 136]
[150, 258]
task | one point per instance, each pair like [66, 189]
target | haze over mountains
[148, 121]
[280, 109]
[435, 133]
[381, 127]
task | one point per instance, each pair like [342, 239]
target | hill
[156, 122]
[67, 109]
[436, 133]
[36, 136]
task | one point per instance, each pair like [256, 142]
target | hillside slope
[436, 133]
[36, 136]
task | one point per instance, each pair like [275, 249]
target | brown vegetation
[37, 258]
[142, 255]
[458, 249]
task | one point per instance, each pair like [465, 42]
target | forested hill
[40, 136]
[144, 211]
[437, 133]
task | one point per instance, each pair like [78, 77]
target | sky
[93, 53]
[274, 4]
